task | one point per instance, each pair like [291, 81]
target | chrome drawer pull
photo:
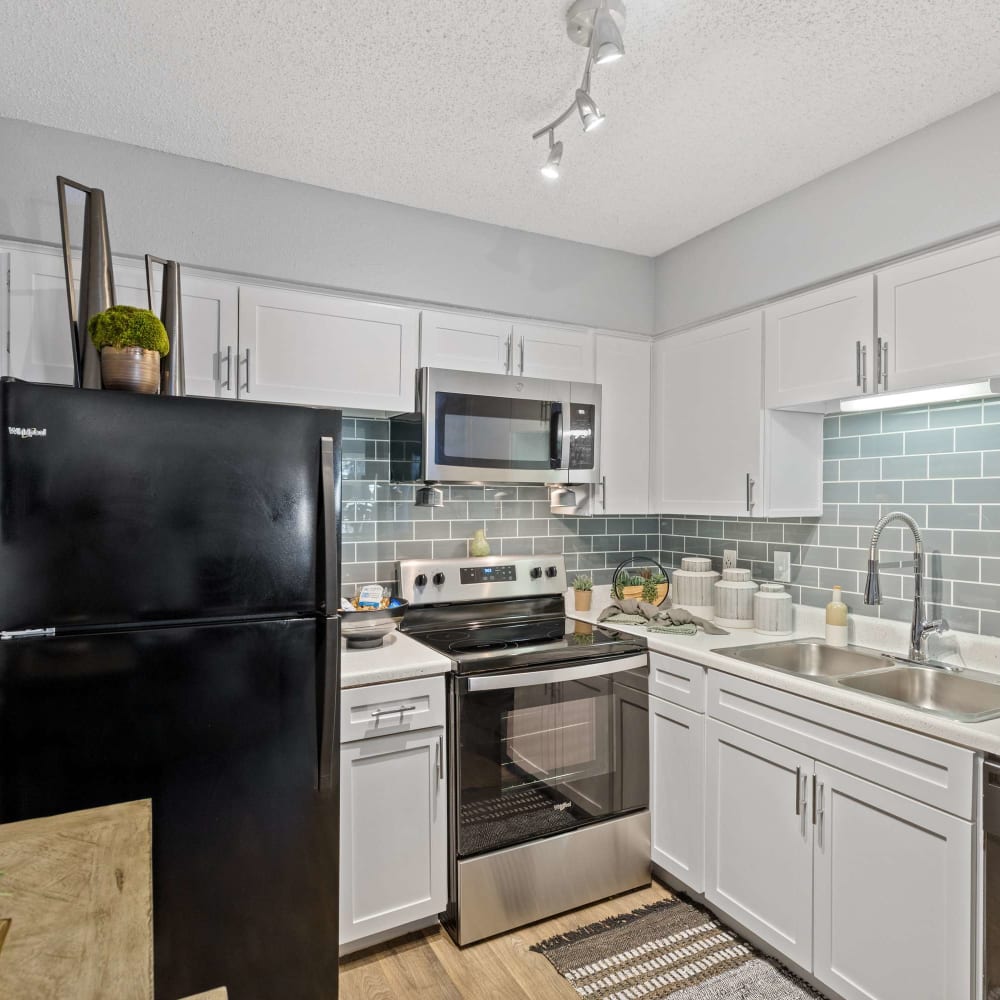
[379, 712]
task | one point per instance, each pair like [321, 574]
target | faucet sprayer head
[873, 593]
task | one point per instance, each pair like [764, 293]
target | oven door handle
[554, 675]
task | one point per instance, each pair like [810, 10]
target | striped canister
[734, 599]
[772, 610]
[694, 586]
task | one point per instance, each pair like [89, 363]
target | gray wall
[940, 464]
[930, 186]
[212, 216]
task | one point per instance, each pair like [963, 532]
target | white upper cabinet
[819, 346]
[716, 450]
[938, 316]
[210, 317]
[553, 352]
[303, 347]
[466, 343]
[623, 373]
[40, 343]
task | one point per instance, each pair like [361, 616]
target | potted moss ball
[131, 342]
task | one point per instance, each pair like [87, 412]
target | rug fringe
[608, 924]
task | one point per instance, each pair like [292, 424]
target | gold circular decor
[134, 369]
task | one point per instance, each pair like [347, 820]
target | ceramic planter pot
[582, 599]
[134, 369]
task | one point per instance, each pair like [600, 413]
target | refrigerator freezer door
[219, 726]
[121, 508]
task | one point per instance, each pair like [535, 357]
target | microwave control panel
[581, 436]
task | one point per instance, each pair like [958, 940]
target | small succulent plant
[583, 583]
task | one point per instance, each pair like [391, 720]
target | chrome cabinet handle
[878, 362]
[864, 367]
[814, 800]
[750, 485]
[379, 712]
[798, 791]
[819, 815]
[604, 492]
[439, 758]
[857, 362]
[885, 363]
[227, 383]
[522, 356]
[508, 365]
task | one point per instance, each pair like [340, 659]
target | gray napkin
[652, 613]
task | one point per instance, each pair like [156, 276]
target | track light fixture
[598, 25]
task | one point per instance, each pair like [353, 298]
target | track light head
[606, 40]
[590, 114]
[550, 169]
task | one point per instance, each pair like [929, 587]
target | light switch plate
[729, 558]
[783, 567]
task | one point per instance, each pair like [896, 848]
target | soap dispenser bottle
[836, 620]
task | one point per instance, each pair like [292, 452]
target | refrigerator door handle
[329, 709]
[329, 595]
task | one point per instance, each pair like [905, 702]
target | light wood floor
[429, 966]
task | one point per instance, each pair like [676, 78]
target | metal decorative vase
[134, 369]
[172, 365]
[97, 282]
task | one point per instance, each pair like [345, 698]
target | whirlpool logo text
[28, 432]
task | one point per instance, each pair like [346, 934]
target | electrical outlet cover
[783, 567]
[729, 558]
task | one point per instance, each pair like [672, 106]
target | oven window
[544, 759]
[493, 433]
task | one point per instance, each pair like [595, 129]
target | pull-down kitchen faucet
[920, 627]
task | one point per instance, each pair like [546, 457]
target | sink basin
[810, 658]
[955, 696]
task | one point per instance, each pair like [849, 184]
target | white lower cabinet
[759, 849]
[677, 791]
[869, 890]
[393, 832]
[893, 894]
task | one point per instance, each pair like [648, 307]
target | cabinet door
[393, 832]
[893, 894]
[465, 343]
[623, 373]
[816, 345]
[553, 352]
[759, 838]
[938, 315]
[707, 398]
[302, 347]
[210, 320]
[677, 791]
[40, 343]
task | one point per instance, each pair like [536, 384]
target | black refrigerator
[169, 583]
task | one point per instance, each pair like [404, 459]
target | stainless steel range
[548, 729]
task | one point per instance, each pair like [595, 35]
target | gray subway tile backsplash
[940, 464]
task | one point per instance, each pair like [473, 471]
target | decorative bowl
[367, 629]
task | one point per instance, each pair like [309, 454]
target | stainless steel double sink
[964, 696]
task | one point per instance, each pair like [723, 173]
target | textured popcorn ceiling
[719, 105]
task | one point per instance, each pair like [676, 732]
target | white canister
[734, 599]
[694, 586]
[772, 610]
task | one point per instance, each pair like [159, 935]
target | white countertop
[961, 648]
[399, 658]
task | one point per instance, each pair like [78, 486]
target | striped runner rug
[667, 949]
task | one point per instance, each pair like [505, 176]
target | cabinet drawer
[400, 707]
[919, 767]
[677, 681]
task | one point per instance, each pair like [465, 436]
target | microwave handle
[556, 436]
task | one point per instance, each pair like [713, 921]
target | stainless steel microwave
[471, 427]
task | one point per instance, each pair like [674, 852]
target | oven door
[542, 752]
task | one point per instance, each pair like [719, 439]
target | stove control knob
[536, 573]
[420, 581]
[551, 572]
[438, 579]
